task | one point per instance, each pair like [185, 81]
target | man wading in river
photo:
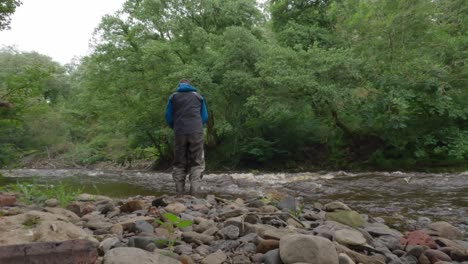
[186, 113]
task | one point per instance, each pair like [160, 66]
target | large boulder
[68, 252]
[349, 218]
[36, 226]
[304, 248]
[130, 255]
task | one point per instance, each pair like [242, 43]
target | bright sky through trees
[60, 29]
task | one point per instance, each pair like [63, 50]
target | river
[400, 198]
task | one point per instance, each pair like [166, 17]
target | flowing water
[396, 196]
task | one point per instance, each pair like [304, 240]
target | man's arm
[204, 112]
[168, 113]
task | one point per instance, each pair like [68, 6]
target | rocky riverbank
[211, 230]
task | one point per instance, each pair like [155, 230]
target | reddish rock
[417, 237]
[7, 200]
[266, 245]
[436, 255]
[80, 208]
[132, 206]
[67, 252]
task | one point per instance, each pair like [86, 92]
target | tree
[7, 8]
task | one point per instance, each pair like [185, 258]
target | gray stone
[446, 230]
[349, 237]
[203, 250]
[215, 258]
[143, 226]
[345, 259]
[51, 202]
[272, 257]
[196, 237]
[108, 244]
[124, 255]
[378, 229]
[257, 258]
[240, 259]
[224, 245]
[230, 232]
[303, 248]
[183, 249]
[141, 241]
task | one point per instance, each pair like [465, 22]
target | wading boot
[195, 187]
[180, 188]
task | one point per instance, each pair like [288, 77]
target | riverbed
[400, 198]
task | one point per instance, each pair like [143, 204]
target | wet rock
[344, 259]
[446, 230]
[51, 203]
[288, 203]
[417, 237]
[229, 232]
[196, 238]
[124, 255]
[7, 200]
[349, 237]
[143, 226]
[436, 255]
[132, 206]
[175, 208]
[336, 206]
[349, 218]
[215, 258]
[183, 249]
[265, 245]
[159, 202]
[67, 252]
[303, 248]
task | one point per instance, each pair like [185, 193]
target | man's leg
[196, 161]
[179, 171]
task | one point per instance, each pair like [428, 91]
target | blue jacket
[185, 88]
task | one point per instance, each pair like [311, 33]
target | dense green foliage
[292, 84]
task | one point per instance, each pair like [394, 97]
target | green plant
[34, 192]
[31, 221]
[170, 225]
[297, 212]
